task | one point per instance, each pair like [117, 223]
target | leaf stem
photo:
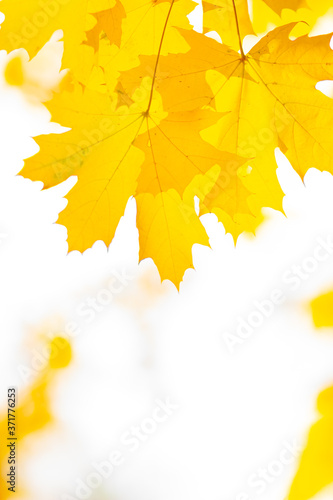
[238, 30]
[158, 57]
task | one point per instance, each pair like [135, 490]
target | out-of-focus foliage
[33, 411]
[39, 77]
[322, 310]
[316, 466]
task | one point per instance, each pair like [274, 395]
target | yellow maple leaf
[149, 23]
[182, 82]
[175, 111]
[38, 20]
[163, 221]
[118, 153]
[279, 5]
[108, 24]
[132, 25]
[181, 78]
[277, 12]
[148, 28]
[231, 19]
[267, 99]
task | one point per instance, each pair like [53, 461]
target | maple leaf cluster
[163, 113]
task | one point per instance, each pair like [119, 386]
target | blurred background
[129, 390]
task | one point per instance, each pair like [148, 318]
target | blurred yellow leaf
[231, 19]
[33, 412]
[316, 466]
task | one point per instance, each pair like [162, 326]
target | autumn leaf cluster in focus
[315, 472]
[162, 113]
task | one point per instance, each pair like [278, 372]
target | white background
[236, 410]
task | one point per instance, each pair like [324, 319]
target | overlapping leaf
[267, 99]
[233, 20]
[272, 102]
